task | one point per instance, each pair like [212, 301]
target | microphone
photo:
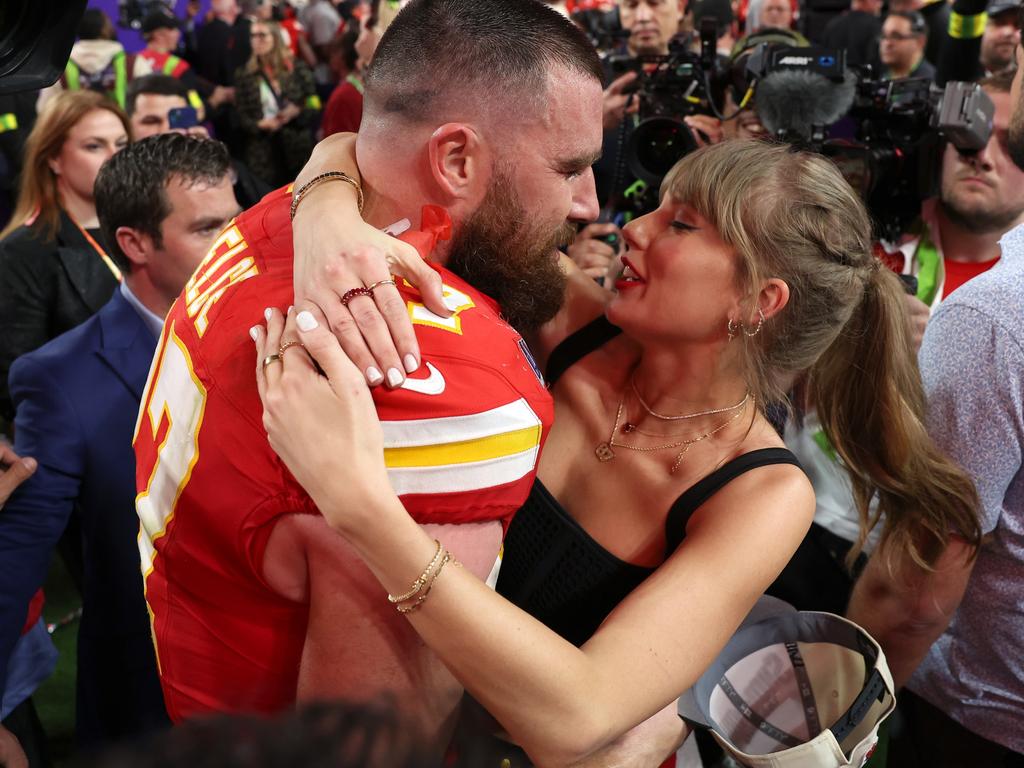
[791, 102]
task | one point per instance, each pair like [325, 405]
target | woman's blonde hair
[37, 190]
[791, 215]
[279, 61]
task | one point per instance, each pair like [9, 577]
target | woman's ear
[456, 159]
[774, 296]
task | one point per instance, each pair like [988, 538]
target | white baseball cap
[794, 689]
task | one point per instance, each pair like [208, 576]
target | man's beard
[511, 260]
[979, 221]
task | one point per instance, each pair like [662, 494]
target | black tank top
[553, 569]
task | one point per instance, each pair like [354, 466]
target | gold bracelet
[418, 584]
[306, 188]
[428, 586]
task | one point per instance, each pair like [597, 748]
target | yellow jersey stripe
[471, 476]
[465, 451]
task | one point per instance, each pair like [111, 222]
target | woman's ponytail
[870, 400]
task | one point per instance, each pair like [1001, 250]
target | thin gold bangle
[428, 586]
[306, 188]
[418, 584]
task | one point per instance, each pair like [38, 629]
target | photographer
[651, 25]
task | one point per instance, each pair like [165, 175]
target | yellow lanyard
[99, 250]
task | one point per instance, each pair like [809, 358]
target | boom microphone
[792, 102]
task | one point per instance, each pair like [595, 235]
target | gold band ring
[287, 344]
[274, 358]
[379, 283]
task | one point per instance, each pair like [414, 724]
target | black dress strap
[706, 487]
[578, 345]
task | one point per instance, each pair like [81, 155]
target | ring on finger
[354, 293]
[287, 344]
[274, 358]
[379, 283]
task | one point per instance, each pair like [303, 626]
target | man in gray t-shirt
[962, 626]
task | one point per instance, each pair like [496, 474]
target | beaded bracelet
[306, 188]
[426, 588]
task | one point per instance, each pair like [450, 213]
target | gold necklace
[680, 417]
[605, 453]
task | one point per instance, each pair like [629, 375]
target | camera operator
[981, 198]
[651, 25]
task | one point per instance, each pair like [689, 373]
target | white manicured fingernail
[395, 377]
[452, 302]
[254, 332]
[268, 312]
[374, 376]
[410, 363]
[290, 307]
[307, 322]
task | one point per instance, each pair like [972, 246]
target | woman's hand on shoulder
[336, 252]
[318, 413]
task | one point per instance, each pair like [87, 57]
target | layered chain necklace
[605, 453]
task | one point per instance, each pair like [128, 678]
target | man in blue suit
[161, 203]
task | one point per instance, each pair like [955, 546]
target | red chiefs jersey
[462, 438]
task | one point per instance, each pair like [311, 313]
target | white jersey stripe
[511, 417]
[455, 478]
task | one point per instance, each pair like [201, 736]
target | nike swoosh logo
[432, 385]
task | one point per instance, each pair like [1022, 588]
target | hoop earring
[757, 330]
[732, 329]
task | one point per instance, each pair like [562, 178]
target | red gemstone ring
[353, 293]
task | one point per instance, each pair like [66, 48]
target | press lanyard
[99, 249]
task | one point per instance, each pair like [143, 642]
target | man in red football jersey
[481, 114]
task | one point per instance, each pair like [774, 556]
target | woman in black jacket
[277, 104]
[54, 269]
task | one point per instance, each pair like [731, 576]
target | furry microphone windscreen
[793, 101]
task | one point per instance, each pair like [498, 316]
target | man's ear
[457, 162]
[135, 245]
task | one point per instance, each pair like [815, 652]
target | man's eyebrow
[579, 162]
[209, 222]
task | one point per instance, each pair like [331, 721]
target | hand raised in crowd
[15, 470]
[618, 104]
[918, 314]
[706, 129]
[376, 335]
[11, 753]
[592, 253]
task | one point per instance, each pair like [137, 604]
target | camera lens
[656, 145]
[21, 24]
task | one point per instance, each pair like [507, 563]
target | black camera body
[35, 41]
[668, 89]
[887, 136]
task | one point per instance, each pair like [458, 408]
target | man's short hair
[160, 85]
[131, 187]
[918, 26]
[447, 53]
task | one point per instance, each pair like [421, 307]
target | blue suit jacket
[77, 399]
